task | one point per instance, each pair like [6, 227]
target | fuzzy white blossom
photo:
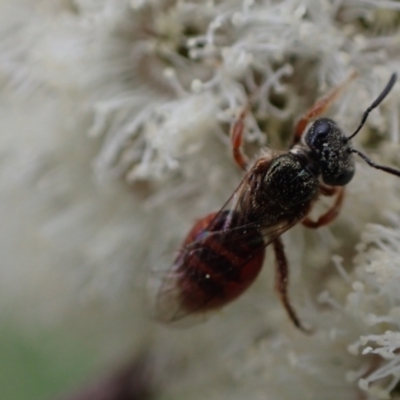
[115, 137]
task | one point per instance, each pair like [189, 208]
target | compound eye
[320, 132]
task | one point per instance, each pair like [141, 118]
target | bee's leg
[332, 213]
[237, 130]
[281, 283]
[327, 190]
[318, 108]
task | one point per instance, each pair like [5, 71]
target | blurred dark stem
[134, 382]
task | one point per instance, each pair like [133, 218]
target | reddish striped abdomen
[217, 263]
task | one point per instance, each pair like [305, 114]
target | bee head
[332, 151]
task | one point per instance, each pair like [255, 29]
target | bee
[224, 252]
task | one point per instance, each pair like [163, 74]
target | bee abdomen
[218, 268]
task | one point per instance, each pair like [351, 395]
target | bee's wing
[165, 285]
[167, 304]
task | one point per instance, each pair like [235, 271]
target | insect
[224, 251]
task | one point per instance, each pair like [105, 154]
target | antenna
[373, 164]
[375, 104]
